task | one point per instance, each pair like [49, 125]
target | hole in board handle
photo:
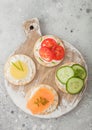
[31, 27]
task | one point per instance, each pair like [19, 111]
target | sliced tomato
[49, 43]
[58, 52]
[46, 54]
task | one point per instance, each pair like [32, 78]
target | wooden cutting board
[45, 75]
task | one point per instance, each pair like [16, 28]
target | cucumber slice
[64, 73]
[79, 71]
[74, 85]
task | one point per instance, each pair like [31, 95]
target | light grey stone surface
[68, 19]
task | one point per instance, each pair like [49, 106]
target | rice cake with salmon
[42, 99]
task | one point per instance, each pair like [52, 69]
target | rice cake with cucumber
[70, 78]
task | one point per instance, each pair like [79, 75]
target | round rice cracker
[53, 106]
[38, 46]
[31, 69]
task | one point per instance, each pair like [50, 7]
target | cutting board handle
[32, 26]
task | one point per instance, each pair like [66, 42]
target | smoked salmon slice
[40, 101]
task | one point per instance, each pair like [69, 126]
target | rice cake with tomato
[49, 50]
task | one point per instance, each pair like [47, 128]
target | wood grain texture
[45, 75]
